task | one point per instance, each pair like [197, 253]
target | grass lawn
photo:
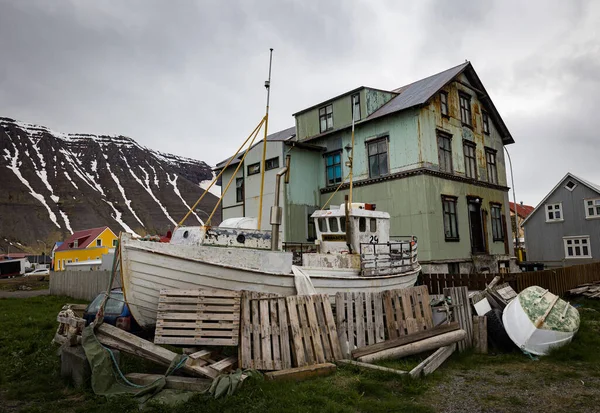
[566, 381]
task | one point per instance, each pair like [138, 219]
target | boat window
[322, 225]
[343, 224]
[362, 224]
[373, 225]
[333, 224]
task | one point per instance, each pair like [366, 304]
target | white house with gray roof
[564, 229]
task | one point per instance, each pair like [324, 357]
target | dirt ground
[23, 293]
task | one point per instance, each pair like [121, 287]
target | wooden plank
[331, 328]
[172, 382]
[431, 363]
[371, 366]
[265, 335]
[461, 313]
[274, 335]
[400, 341]
[480, 342]
[225, 364]
[244, 349]
[360, 318]
[309, 351]
[302, 373]
[315, 331]
[201, 354]
[369, 315]
[292, 309]
[389, 315]
[322, 325]
[378, 310]
[341, 302]
[284, 335]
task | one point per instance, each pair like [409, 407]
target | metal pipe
[512, 178]
[264, 152]
[276, 211]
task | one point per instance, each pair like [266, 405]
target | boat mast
[351, 157]
[264, 154]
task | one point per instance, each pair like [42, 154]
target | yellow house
[84, 245]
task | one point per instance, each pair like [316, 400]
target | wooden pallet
[461, 313]
[198, 317]
[314, 334]
[265, 341]
[407, 311]
[359, 318]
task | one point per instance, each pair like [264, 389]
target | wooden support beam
[173, 382]
[431, 363]
[480, 334]
[371, 366]
[400, 341]
[132, 344]
[301, 373]
[416, 347]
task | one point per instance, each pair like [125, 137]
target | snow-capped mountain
[54, 183]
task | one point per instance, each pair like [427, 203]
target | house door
[476, 224]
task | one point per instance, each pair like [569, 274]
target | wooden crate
[359, 318]
[265, 341]
[407, 311]
[198, 317]
[314, 334]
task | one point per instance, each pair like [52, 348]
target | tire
[497, 333]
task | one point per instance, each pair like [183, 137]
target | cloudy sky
[187, 77]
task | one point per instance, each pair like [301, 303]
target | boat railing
[298, 249]
[388, 258]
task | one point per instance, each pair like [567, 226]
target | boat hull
[148, 267]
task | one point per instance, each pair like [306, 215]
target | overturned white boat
[354, 252]
[537, 321]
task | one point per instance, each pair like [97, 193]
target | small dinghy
[537, 321]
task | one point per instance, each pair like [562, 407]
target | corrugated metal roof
[418, 92]
[281, 136]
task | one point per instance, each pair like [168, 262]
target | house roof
[522, 210]
[593, 187]
[281, 136]
[84, 238]
[419, 92]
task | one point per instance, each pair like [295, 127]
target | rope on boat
[336, 189]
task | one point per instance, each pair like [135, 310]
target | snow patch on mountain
[174, 183]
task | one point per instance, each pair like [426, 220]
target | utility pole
[44, 250]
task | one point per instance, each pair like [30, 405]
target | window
[311, 233]
[98, 242]
[239, 189]
[444, 103]
[592, 208]
[577, 247]
[378, 157]
[326, 118]
[356, 106]
[465, 108]
[570, 185]
[554, 212]
[322, 224]
[271, 163]
[254, 168]
[75, 243]
[492, 170]
[114, 242]
[373, 225]
[76, 259]
[453, 268]
[333, 168]
[333, 224]
[362, 224]
[469, 149]
[450, 220]
[445, 152]
[497, 227]
[63, 265]
[343, 224]
[486, 123]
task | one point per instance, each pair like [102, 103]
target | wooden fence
[83, 285]
[557, 280]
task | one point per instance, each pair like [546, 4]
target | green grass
[30, 379]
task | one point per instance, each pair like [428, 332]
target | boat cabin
[365, 226]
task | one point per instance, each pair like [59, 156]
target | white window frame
[574, 185]
[98, 242]
[595, 203]
[554, 219]
[572, 244]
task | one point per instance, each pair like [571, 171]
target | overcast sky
[187, 77]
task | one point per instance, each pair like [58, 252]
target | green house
[430, 153]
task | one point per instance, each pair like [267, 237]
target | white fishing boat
[354, 252]
[537, 321]
[242, 259]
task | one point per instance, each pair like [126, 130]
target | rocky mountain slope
[54, 183]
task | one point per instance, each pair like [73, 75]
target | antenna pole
[351, 159]
[264, 155]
